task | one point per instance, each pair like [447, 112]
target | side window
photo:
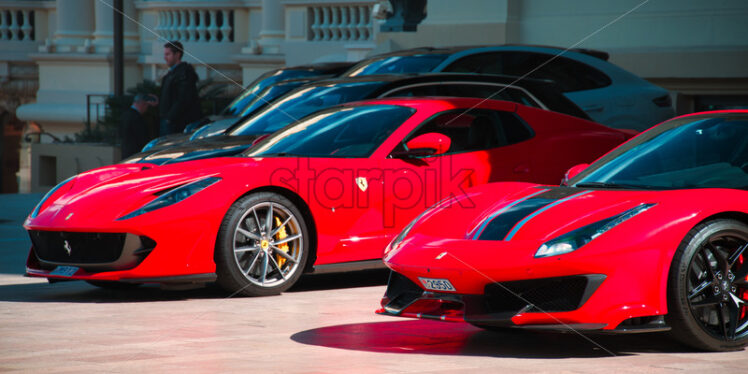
[485, 91]
[426, 90]
[470, 90]
[475, 130]
[484, 63]
[515, 129]
[481, 91]
[569, 74]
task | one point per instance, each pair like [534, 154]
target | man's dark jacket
[134, 132]
[179, 102]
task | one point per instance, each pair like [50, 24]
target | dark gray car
[323, 94]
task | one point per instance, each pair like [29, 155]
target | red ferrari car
[324, 194]
[650, 237]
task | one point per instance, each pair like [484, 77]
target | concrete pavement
[325, 324]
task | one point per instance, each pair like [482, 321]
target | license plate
[437, 284]
[64, 271]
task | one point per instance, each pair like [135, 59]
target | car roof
[454, 49]
[714, 114]
[546, 91]
[324, 67]
[420, 101]
[303, 80]
[402, 79]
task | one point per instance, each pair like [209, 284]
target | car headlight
[51, 192]
[574, 240]
[399, 238]
[172, 197]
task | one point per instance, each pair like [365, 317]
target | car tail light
[663, 101]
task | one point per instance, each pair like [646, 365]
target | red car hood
[533, 212]
[107, 193]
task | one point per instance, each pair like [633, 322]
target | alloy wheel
[268, 244]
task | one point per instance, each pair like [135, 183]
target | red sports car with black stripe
[326, 193]
[650, 237]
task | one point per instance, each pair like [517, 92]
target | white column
[131, 28]
[272, 33]
[104, 33]
[104, 26]
[75, 24]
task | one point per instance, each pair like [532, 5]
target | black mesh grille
[401, 292]
[550, 295]
[76, 247]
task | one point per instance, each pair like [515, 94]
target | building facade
[56, 55]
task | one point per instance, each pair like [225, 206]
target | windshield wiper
[614, 185]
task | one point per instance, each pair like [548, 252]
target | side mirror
[572, 172]
[427, 144]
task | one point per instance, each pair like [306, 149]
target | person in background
[134, 130]
[179, 103]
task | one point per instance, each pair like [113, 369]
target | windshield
[350, 132]
[268, 95]
[397, 65]
[302, 102]
[240, 102]
[684, 153]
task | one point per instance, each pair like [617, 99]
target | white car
[609, 94]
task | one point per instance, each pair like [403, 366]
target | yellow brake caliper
[283, 247]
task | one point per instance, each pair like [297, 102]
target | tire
[112, 285]
[245, 246]
[707, 290]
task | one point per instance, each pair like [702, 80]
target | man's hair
[176, 47]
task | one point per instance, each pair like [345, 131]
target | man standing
[134, 130]
[180, 104]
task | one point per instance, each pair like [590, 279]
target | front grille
[560, 294]
[401, 292]
[62, 247]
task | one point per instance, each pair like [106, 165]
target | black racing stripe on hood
[500, 225]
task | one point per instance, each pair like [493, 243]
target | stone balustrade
[345, 22]
[196, 25]
[17, 24]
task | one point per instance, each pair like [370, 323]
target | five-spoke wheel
[262, 245]
[708, 290]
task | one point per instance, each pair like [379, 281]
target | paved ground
[325, 325]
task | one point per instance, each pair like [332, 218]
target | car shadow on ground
[318, 282]
[39, 291]
[449, 338]
[82, 292]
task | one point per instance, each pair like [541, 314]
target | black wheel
[110, 285]
[262, 245]
[707, 288]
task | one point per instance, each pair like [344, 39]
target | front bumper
[498, 305]
[144, 250]
[500, 283]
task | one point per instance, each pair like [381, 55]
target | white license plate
[436, 284]
[64, 271]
